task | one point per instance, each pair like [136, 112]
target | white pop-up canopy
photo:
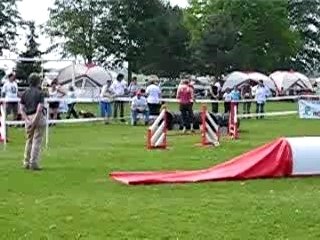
[240, 78]
[98, 76]
[286, 80]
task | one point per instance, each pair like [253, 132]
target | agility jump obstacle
[157, 133]
[284, 157]
[209, 130]
[233, 121]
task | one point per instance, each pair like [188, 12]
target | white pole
[5, 125]
[42, 70]
[73, 74]
[47, 123]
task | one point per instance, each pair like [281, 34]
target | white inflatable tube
[305, 155]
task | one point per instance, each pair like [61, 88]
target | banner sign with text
[309, 109]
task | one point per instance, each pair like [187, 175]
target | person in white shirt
[153, 92]
[139, 105]
[71, 95]
[55, 92]
[262, 92]
[119, 88]
[227, 97]
[217, 84]
[10, 92]
[106, 101]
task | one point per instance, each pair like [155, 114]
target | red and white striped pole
[157, 133]
[233, 121]
[209, 130]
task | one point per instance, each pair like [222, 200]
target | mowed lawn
[73, 198]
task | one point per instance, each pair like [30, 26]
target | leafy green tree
[131, 24]
[78, 23]
[243, 35]
[25, 68]
[305, 18]
[167, 55]
[9, 21]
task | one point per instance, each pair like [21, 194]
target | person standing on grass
[119, 88]
[185, 95]
[10, 92]
[55, 92]
[139, 105]
[106, 101]
[227, 100]
[153, 93]
[246, 94]
[33, 113]
[262, 93]
[71, 95]
[214, 95]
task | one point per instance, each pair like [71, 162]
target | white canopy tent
[288, 80]
[87, 79]
[96, 74]
[240, 78]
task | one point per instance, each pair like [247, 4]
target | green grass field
[73, 198]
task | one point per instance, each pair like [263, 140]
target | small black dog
[85, 114]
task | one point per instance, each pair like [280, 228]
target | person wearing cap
[139, 105]
[106, 96]
[185, 95]
[33, 113]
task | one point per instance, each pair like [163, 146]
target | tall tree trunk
[89, 60]
[129, 71]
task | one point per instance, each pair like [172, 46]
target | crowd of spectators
[145, 100]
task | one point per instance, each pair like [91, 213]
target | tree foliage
[305, 18]
[243, 35]
[78, 23]
[24, 68]
[131, 24]
[9, 21]
[167, 55]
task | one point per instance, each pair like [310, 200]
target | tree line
[209, 37]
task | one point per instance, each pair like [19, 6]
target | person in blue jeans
[139, 105]
[106, 101]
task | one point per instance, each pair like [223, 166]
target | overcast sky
[37, 10]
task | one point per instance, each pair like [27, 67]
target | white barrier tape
[64, 121]
[270, 114]
[86, 120]
[168, 100]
